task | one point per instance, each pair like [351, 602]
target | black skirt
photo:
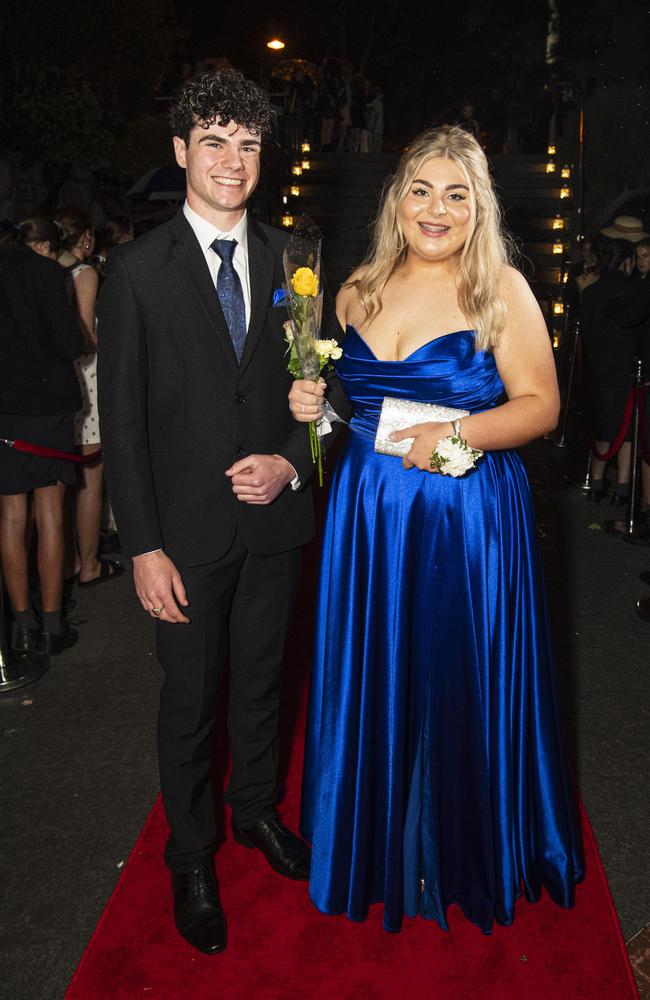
[21, 472]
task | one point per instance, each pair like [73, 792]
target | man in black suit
[207, 473]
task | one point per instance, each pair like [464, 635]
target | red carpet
[281, 948]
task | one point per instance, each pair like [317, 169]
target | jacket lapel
[189, 257]
[261, 268]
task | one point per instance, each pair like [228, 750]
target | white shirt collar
[206, 232]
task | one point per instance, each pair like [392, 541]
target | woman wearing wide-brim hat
[625, 227]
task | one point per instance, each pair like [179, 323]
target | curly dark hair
[225, 95]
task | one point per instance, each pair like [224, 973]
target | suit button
[240, 452]
[239, 398]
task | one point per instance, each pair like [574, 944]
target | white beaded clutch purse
[396, 414]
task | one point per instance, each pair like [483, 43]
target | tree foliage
[73, 74]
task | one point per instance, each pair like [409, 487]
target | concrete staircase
[341, 192]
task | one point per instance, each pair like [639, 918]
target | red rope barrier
[620, 437]
[43, 452]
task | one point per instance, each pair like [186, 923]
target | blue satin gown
[435, 769]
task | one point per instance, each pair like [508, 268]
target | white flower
[453, 457]
[327, 349]
[288, 331]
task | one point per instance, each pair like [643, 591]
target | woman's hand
[426, 438]
[306, 400]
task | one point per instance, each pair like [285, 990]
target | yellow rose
[305, 282]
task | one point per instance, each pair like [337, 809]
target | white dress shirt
[206, 233]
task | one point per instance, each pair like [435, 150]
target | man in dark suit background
[207, 473]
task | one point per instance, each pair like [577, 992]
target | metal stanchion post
[17, 669]
[627, 528]
[561, 441]
[632, 532]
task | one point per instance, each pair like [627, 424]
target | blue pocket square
[279, 297]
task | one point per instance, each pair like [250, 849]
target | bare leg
[48, 517]
[13, 548]
[598, 467]
[623, 461]
[89, 515]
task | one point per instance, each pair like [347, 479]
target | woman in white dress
[78, 241]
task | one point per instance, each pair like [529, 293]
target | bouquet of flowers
[308, 355]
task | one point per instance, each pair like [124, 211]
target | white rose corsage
[452, 456]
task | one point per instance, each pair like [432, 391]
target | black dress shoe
[25, 639]
[52, 643]
[285, 852]
[197, 909]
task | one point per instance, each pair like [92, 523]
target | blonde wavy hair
[486, 252]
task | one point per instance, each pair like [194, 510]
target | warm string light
[551, 149]
[556, 341]
[275, 44]
[306, 165]
[287, 220]
[558, 248]
[565, 192]
[558, 308]
[306, 147]
[295, 191]
[558, 222]
[550, 167]
[296, 169]
[566, 172]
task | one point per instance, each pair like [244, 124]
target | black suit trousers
[239, 610]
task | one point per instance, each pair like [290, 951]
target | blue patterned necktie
[231, 295]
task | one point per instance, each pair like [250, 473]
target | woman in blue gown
[435, 769]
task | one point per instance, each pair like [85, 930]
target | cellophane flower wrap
[308, 354]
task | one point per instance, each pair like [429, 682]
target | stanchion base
[20, 669]
[580, 485]
[637, 538]
[619, 528]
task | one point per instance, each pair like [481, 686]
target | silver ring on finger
[157, 611]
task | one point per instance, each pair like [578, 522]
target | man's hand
[306, 399]
[426, 438]
[158, 584]
[258, 479]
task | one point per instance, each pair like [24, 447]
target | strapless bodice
[447, 370]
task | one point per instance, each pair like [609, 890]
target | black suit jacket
[177, 410]
[39, 336]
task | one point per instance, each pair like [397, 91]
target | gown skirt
[435, 770]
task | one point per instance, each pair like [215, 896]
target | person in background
[609, 351]
[78, 243]
[642, 258]
[582, 273]
[376, 119]
[467, 120]
[331, 99]
[359, 135]
[633, 315]
[118, 230]
[39, 394]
